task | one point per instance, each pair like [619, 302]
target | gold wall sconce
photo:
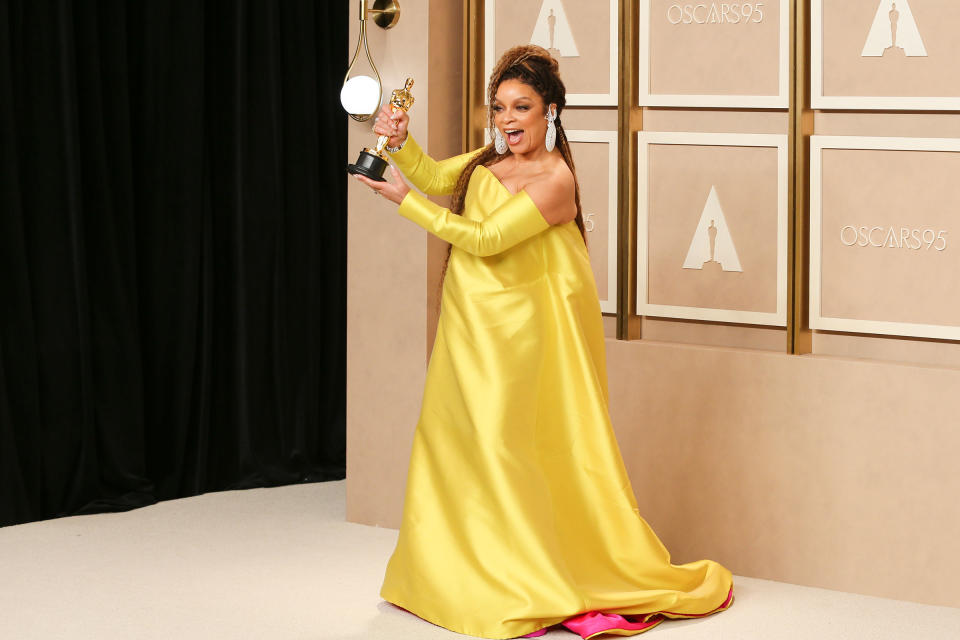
[361, 95]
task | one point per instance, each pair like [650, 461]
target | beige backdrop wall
[816, 470]
[812, 470]
[387, 272]
[393, 266]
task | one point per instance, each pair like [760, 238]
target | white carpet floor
[282, 564]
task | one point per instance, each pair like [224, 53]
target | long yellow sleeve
[428, 175]
[514, 221]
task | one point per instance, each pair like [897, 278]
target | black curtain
[172, 249]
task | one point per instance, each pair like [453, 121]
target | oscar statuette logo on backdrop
[894, 32]
[712, 245]
[552, 31]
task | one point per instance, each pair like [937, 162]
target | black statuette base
[369, 164]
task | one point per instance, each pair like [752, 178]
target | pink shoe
[595, 622]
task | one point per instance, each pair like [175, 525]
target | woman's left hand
[394, 191]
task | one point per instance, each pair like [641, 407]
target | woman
[518, 513]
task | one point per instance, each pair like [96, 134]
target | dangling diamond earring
[551, 140]
[499, 142]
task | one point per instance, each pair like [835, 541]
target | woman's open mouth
[513, 136]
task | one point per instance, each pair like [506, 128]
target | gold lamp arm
[387, 12]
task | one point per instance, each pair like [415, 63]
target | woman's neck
[536, 156]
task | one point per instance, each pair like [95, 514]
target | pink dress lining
[594, 623]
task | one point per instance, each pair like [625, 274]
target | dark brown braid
[535, 67]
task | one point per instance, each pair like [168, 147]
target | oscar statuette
[371, 162]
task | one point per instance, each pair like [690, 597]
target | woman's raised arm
[428, 175]
[514, 221]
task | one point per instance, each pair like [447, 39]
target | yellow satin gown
[518, 512]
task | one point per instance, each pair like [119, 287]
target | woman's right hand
[392, 124]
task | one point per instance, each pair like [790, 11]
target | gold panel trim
[629, 117]
[799, 336]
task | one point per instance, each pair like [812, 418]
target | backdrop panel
[582, 36]
[714, 54]
[885, 54]
[884, 223]
[712, 227]
[595, 153]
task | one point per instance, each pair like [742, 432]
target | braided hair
[535, 67]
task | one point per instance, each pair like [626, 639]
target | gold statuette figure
[371, 162]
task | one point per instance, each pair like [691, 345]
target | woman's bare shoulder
[563, 177]
[554, 193]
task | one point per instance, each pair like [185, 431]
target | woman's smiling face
[518, 112]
